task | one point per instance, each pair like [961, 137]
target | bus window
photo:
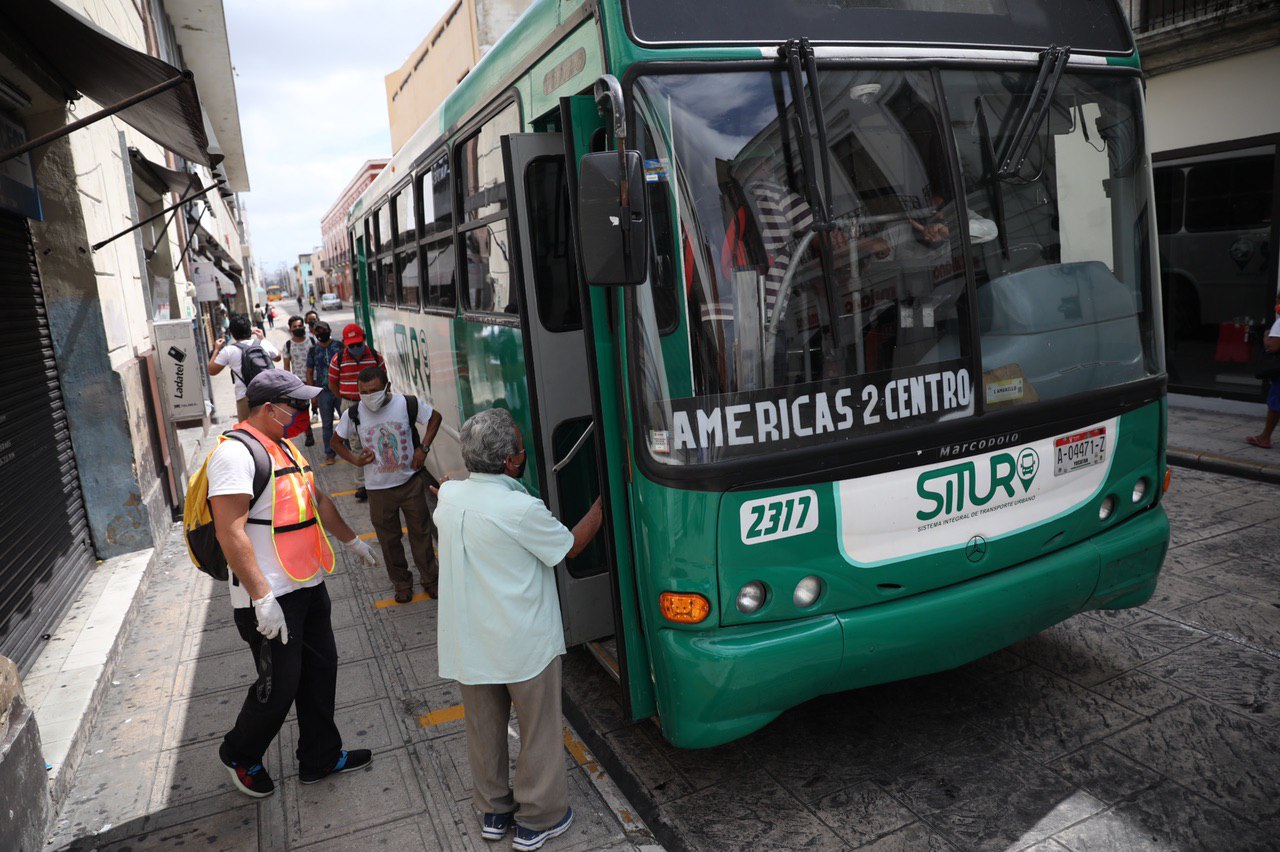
[383, 232]
[487, 271]
[484, 190]
[406, 230]
[441, 291]
[386, 280]
[436, 214]
[433, 191]
[555, 270]
[407, 276]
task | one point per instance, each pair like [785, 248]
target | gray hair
[488, 438]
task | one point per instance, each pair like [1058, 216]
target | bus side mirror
[614, 244]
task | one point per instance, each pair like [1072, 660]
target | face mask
[375, 400]
[298, 332]
[323, 338]
[295, 426]
[357, 350]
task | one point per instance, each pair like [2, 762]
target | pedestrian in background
[278, 554]
[393, 459]
[344, 372]
[318, 374]
[259, 318]
[297, 352]
[311, 318]
[243, 339]
[1270, 343]
[499, 631]
[271, 316]
[299, 303]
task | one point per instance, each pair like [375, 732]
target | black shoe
[361, 494]
[311, 441]
[347, 761]
[250, 780]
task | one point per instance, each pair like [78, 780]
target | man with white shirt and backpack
[393, 457]
[246, 356]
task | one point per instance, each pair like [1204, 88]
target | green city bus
[849, 310]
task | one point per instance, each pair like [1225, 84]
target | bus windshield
[788, 308]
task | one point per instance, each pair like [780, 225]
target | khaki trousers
[386, 505]
[541, 788]
[353, 441]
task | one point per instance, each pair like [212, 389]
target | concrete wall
[432, 71]
[1234, 98]
[24, 786]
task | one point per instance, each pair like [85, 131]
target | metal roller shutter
[45, 553]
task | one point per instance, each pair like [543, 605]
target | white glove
[361, 552]
[271, 618]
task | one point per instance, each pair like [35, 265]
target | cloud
[309, 82]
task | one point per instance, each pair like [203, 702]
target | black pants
[303, 674]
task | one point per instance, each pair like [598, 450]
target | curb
[1215, 463]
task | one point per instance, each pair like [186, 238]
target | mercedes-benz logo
[976, 549]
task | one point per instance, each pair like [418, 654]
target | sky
[313, 106]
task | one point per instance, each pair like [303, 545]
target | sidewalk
[1208, 434]
[150, 776]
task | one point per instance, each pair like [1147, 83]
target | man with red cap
[344, 371]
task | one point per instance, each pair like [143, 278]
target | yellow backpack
[197, 516]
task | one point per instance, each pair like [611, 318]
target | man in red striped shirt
[346, 365]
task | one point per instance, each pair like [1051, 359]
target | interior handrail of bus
[582, 440]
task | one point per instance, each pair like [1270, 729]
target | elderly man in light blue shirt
[500, 634]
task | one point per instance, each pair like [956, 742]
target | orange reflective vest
[296, 530]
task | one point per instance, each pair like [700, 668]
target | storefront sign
[177, 363]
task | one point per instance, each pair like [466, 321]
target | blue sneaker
[529, 838]
[496, 826]
[346, 761]
[252, 780]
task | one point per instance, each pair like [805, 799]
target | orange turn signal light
[684, 607]
[1168, 477]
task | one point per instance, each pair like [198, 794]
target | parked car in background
[330, 302]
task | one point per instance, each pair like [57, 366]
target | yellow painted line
[441, 717]
[343, 493]
[419, 597]
[372, 535]
[581, 754]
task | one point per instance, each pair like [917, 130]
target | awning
[161, 178]
[149, 94]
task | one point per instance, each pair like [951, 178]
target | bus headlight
[751, 597]
[807, 591]
[1139, 490]
[1108, 506]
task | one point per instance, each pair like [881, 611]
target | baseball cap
[352, 334]
[270, 385]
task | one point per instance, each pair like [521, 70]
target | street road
[1151, 728]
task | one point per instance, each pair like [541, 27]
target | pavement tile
[983, 794]
[420, 670]
[188, 774]
[1048, 716]
[1227, 674]
[1166, 817]
[1141, 693]
[1255, 578]
[1236, 616]
[647, 759]
[410, 630]
[1167, 632]
[1104, 773]
[372, 725]
[385, 791]
[916, 837]
[1224, 757]
[1087, 650]
[412, 833]
[229, 831]
[599, 699]
[118, 735]
[217, 672]
[1173, 592]
[760, 814]
[862, 813]
[204, 718]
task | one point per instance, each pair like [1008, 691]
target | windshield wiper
[794, 52]
[1014, 153]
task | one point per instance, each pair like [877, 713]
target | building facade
[1213, 118]
[100, 231]
[335, 264]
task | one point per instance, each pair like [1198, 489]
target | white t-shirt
[386, 432]
[229, 357]
[1275, 329]
[297, 351]
[231, 472]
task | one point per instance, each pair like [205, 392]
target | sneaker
[361, 494]
[328, 460]
[311, 441]
[404, 595]
[529, 838]
[347, 761]
[252, 780]
[496, 826]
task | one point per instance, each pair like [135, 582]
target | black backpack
[253, 360]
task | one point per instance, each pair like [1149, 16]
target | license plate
[779, 517]
[1081, 450]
